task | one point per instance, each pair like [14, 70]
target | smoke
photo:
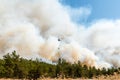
[45, 28]
[102, 38]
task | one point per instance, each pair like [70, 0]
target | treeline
[14, 66]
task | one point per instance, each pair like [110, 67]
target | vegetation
[14, 66]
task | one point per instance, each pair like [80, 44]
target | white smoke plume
[44, 28]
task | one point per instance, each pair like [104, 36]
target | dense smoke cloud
[44, 28]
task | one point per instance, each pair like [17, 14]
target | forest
[15, 67]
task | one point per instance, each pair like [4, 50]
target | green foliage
[13, 66]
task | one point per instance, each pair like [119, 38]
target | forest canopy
[14, 66]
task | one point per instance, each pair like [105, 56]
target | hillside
[15, 67]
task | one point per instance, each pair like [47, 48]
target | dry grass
[113, 77]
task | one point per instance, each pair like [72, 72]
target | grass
[108, 77]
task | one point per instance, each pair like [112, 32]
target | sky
[100, 9]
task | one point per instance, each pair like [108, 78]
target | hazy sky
[108, 9]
